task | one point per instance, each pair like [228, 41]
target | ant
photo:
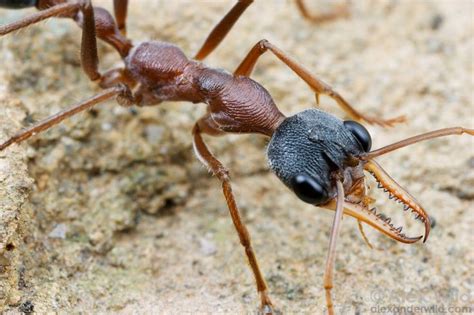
[319, 157]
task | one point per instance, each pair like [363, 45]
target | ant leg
[97, 22]
[222, 28]
[338, 12]
[89, 57]
[206, 157]
[319, 87]
[116, 76]
[328, 273]
[105, 28]
[120, 11]
[65, 9]
[62, 115]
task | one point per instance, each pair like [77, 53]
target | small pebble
[27, 307]
[436, 22]
[208, 247]
[59, 231]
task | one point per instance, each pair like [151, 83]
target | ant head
[312, 150]
[309, 150]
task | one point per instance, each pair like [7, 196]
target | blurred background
[121, 216]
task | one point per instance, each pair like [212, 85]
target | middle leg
[222, 28]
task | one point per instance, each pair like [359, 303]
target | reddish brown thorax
[236, 103]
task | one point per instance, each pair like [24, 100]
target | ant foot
[268, 310]
[339, 11]
[266, 306]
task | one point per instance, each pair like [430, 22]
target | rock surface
[123, 219]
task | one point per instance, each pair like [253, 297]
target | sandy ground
[110, 212]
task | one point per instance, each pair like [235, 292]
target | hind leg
[89, 62]
[60, 10]
[120, 11]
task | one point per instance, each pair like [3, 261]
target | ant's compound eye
[308, 190]
[361, 134]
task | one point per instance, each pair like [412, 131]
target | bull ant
[320, 158]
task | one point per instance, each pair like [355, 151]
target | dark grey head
[312, 151]
[309, 148]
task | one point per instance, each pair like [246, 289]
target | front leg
[219, 170]
[330, 261]
[318, 86]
